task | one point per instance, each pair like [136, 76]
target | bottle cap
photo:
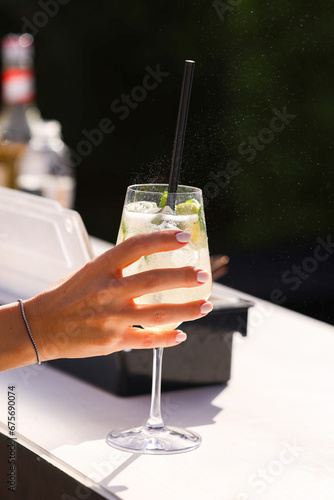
[18, 85]
[18, 47]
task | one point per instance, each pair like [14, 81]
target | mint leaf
[163, 200]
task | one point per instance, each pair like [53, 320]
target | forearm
[16, 348]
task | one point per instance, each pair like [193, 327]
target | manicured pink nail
[183, 237]
[180, 337]
[202, 276]
[206, 307]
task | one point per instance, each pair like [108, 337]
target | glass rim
[190, 189]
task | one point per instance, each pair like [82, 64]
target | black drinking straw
[180, 131]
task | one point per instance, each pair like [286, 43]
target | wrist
[20, 301]
[37, 319]
[16, 347]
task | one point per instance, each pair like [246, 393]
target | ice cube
[163, 215]
[166, 210]
[143, 207]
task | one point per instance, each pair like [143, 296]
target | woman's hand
[91, 312]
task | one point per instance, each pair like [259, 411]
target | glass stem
[155, 420]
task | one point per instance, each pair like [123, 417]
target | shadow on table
[64, 402]
[116, 489]
[192, 407]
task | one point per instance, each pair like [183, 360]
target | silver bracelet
[28, 329]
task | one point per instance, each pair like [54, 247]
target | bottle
[18, 96]
[45, 168]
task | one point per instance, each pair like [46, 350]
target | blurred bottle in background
[45, 167]
[33, 157]
[18, 109]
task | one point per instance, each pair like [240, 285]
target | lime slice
[190, 207]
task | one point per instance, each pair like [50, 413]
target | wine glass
[148, 208]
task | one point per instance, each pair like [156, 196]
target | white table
[268, 435]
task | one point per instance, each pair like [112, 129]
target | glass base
[154, 441]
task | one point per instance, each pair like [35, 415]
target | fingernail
[206, 307]
[183, 237]
[202, 276]
[180, 337]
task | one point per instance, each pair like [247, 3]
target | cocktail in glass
[150, 208]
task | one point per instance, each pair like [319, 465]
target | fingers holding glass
[158, 315]
[139, 245]
[137, 338]
[164, 279]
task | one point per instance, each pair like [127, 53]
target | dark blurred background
[271, 210]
